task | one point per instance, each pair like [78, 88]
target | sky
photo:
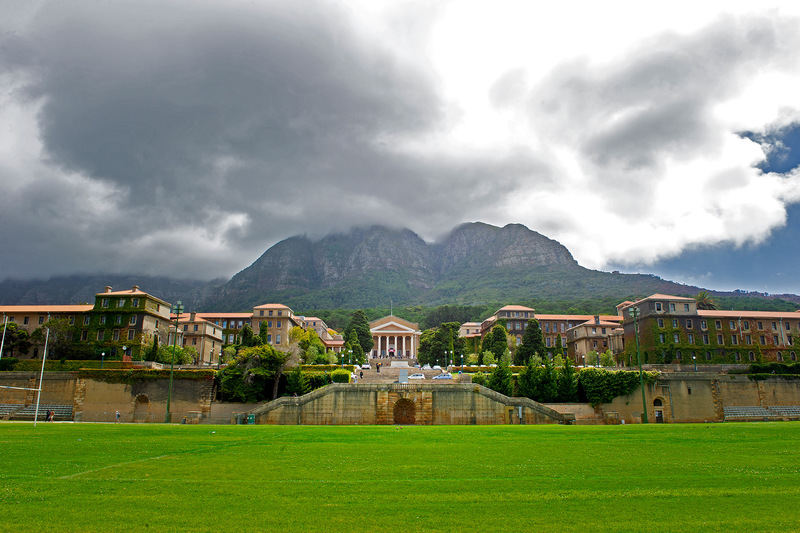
[186, 138]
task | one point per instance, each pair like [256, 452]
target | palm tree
[705, 301]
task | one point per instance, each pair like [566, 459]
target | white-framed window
[689, 323]
[105, 302]
[661, 322]
[703, 324]
[132, 321]
[102, 320]
[658, 306]
[278, 338]
[719, 339]
[121, 302]
[731, 324]
[131, 334]
[100, 334]
[674, 322]
[115, 335]
[671, 307]
[269, 339]
[691, 338]
[734, 340]
[661, 338]
[135, 302]
[718, 324]
[86, 320]
[41, 320]
[677, 338]
[685, 307]
[118, 319]
[71, 320]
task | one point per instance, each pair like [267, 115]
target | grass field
[107, 477]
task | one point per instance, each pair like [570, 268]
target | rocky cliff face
[376, 262]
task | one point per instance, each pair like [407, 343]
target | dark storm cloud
[273, 115]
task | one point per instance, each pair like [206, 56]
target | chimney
[191, 316]
[108, 288]
[596, 319]
[135, 288]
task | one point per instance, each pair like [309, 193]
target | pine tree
[567, 388]
[360, 325]
[532, 343]
[500, 379]
[499, 342]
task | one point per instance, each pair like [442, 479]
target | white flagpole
[41, 376]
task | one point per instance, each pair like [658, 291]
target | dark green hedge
[598, 385]
[138, 374]
[774, 368]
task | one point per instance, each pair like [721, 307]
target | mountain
[370, 267]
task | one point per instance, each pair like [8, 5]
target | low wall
[411, 403]
[57, 387]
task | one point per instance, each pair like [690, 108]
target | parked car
[416, 376]
[366, 366]
[426, 367]
[443, 375]
[437, 367]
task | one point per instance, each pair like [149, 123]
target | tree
[499, 341]
[705, 301]
[248, 337]
[360, 325]
[296, 382]
[559, 346]
[60, 340]
[567, 387]
[248, 378]
[16, 337]
[500, 379]
[355, 345]
[152, 353]
[532, 343]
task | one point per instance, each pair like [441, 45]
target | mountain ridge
[370, 266]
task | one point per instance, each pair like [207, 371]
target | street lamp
[350, 357]
[635, 316]
[694, 360]
[462, 361]
[342, 359]
[102, 358]
[177, 309]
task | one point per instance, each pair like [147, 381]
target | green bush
[326, 368]
[479, 378]
[317, 380]
[8, 363]
[597, 385]
[340, 376]
[66, 365]
[774, 368]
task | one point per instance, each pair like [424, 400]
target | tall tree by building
[705, 301]
[360, 325]
[532, 343]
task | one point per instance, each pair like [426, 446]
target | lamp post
[177, 309]
[102, 358]
[219, 358]
[635, 315]
[342, 359]
[350, 357]
[694, 360]
[462, 362]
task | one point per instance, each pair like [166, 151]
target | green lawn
[107, 477]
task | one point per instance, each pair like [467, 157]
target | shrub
[340, 376]
[479, 378]
[8, 363]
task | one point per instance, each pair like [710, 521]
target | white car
[416, 376]
[437, 367]
[365, 366]
[444, 375]
[426, 367]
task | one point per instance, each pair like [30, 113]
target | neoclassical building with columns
[394, 337]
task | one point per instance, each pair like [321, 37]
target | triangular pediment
[392, 324]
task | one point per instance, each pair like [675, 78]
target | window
[278, 325]
[708, 356]
[240, 324]
[671, 307]
[135, 302]
[789, 340]
[118, 319]
[131, 334]
[230, 339]
[775, 339]
[594, 344]
[41, 320]
[132, 320]
[261, 312]
[703, 324]
[603, 331]
[115, 335]
[746, 325]
[270, 312]
[676, 338]
[121, 302]
[269, 323]
[685, 307]
[763, 340]
[705, 339]
[594, 331]
[224, 324]
[280, 313]
[752, 356]
[747, 339]
[194, 341]
[102, 320]
[518, 341]
[779, 356]
[760, 325]
[787, 326]
[562, 327]
[734, 340]
[738, 356]
[718, 324]
[278, 338]
[689, 324]
[658, 306]
[195, 327]
[661, 322]
[674, 322]
[774, 325]
[186, 327]
[269, 339]
[793, 356]
[100, 334]
[661, 338]
[84, 335]
[25, 320]
[86, 320]
[547, 327]
[691, 338]
[71, 320]
[517, 325]
[105, 302]
[547, 342]
[719, 339]
[678, 355]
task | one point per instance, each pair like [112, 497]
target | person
[361, 375]
[118, 415]
[47, 416]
